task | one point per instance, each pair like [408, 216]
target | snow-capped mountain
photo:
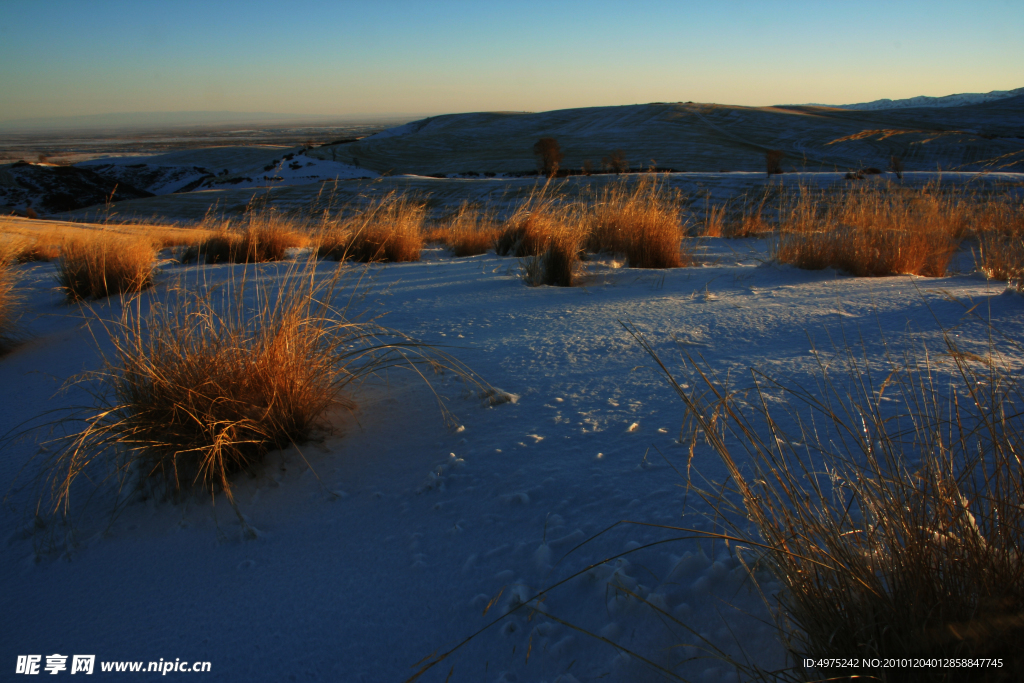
[957, 100]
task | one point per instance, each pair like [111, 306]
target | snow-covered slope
[696, 137]
[406, 532]
[222, 167]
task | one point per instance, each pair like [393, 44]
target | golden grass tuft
[93, 266]
[263, 235]
[527, 231]
[43, 246]
[642, 220]
[471, 232]
[559, 264]
[10, 301]
[877, 231]
[714, 222]
[388, 229]
[214, 377]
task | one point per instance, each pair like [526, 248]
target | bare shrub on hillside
[616, 162]
[549, 155]
[773, 161]
[896, 165]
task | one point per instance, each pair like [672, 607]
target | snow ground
[407, 530]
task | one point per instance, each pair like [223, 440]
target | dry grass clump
[388, 229]
[892, 514]
[559, 264]
[549, 235]
[99, 264]
[714, 222]
[867, 252]
[642, 220]
[9, 299]
[1000, 232]
[875, 232]
[471, 232]
[527, 231]
[166, 238]
[1001, 257]
[214, 377]
[43, 246]
[264, 235]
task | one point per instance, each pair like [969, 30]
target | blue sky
[396, 57]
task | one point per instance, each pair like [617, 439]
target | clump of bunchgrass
[209, 380]
[1001, 257]
[641, 219]
[714, 220]
[99, 264]
[261, 235]
[875, 232]
[387, 229]
[891, 513]
[10, 301]
[559, 263]
[43, 246]
[527, 231]
[470, 232]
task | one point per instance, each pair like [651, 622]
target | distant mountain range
[172, 119]
[958, 100]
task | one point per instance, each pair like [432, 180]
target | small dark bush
[549, 155]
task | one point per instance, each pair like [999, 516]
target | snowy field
[405, 531]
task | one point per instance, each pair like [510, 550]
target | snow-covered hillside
[49, 189]
[404, 532]
[697, 137]
[222, 167]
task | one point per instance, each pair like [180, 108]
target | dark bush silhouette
[896, 165]
[616, 162]
[773, 161]
[549, 154]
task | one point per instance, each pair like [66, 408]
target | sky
[349, 59]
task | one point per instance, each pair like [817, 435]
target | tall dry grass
[559, 263]
[211, 378]
[10, 301]
[876, 231]
[43, 246]
[548, 234]
[642, 220]
[261, 235]
[470, 232]
[96, 265]
[1000, 233]
[527, 231]
[891, 512]
[387, 229]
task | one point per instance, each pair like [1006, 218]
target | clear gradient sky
[339, 58]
